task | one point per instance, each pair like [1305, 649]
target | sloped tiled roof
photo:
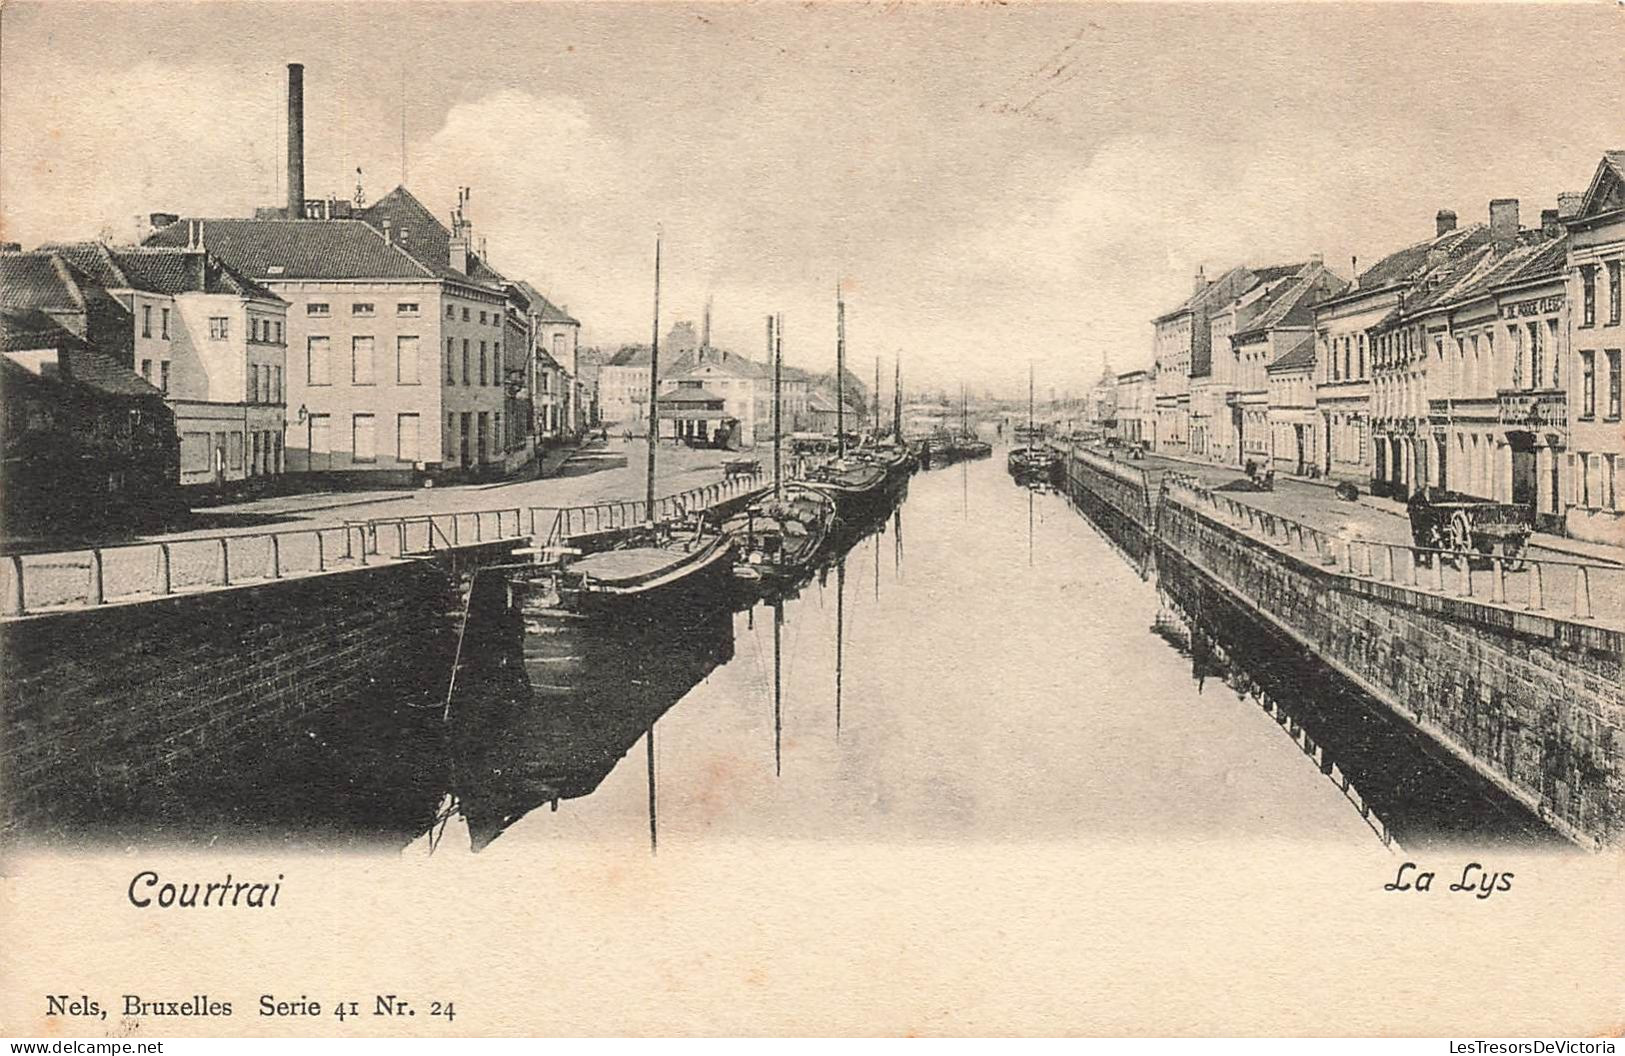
[823, 401]
[158, 270]
[1406, 264]
[545, 309]
[1291, 302]
[78, 360]
[269, 250]
[638, 356]
[1482, 272]
[1297, 357]
[39, 280]
[690, 394]
[415, 229]
[726, 362]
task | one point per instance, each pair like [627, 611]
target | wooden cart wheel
[1512, 549]
[1459, 532]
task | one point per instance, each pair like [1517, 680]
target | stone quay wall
[100, 698]
[1532, 702]
[1114, 495]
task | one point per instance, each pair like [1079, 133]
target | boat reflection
[545, 712]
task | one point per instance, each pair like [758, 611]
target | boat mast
[840, 372]
[773, 358]
[877, 397]
[654, 415]
[897, 400]
[1029, 403]
[778, 396]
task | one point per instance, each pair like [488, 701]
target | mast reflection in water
[546, 712]
[977, 697]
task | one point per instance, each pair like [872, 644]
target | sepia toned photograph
[834, 519]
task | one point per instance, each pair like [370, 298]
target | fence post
[1348, 556]
[1466, 566]
[348, 553]
[18, 604]
[362, 530]
[276, 556]
[1582, 593]
[225, 562]
[479, 527]
[1498, 583]
[1536, 588]
[1436, 575]
[163, 569]
[454, 529]
[321, 553]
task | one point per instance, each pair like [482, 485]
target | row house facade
[400, 350]
[1343, 362]
[209, 339]
[1467, 373]
[394, 369]
[1596, 509]
[1136, 406]
[561, 406]
[1290, 416]
[1253, 331]
[1182, 356]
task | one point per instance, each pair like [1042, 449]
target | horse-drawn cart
[740, 467]
[1471, 528]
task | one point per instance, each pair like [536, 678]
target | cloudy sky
[993, 184]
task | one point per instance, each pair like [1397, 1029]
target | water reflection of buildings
[544, 714]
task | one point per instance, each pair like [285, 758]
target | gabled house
[209, 338]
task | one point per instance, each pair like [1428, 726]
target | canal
[987, 665]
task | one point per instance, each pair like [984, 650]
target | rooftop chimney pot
[1504, 220]
[1444, 220]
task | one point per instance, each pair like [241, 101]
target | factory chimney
[296, 141]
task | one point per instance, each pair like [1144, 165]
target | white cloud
[125, 143]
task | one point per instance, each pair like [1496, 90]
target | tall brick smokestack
[296, 140]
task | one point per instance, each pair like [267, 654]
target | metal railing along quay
[100, 575]
[1562, 588]
[131, 571]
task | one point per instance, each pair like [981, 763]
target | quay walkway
[37, 583]
[1583, 582]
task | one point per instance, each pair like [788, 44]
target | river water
[986, 665]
